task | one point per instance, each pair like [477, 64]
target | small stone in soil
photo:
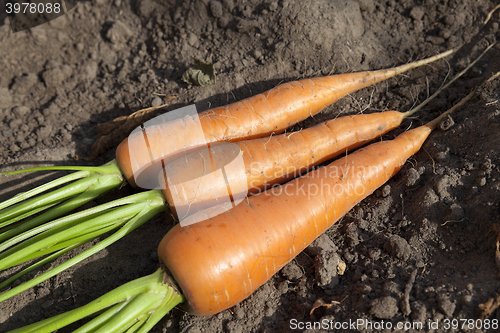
[446, 305]
[418, 311]
[417, 13]
[398, 247]
[7, 133]
[229, 4]
[292, 271]
[482, 181]
[352, 234]
[327, 264]
[273, 6]
[14, 148]
[446, 123]
[455, 213]
[119, 33]
[15, 123]
[216, 9]
[386, 191]
[5, 97]
[322, 243]
[411, 177]
[44, 131]
[239, 313]
[224, 21]
[384, 307]
[466, 299]
[157, 101]
[23, 83]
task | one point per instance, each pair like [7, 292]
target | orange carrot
[164, 142]
[279, 159]
[265, 161]
[219, 262]
[260, 115]
[219, 177]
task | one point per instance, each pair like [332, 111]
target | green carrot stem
[45, 187]
[141, 304]
[108, 168]
[92, 325]
[112, 178]
[84, 238]
[132, 326]
[39, 234]
[123, 213]
[97, 188]
[38, 264]
[70, 220]
[6, 226]
[63, 193]
[153, 207]
[146, 294]
[138, 323]
[171, 300]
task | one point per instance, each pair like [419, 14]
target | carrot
[195, 182]
[304, 148]
[270, 112]
[238, 251]
[281, 107]
[265, 161]
[219, 262]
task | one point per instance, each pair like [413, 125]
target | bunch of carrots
[208, 265]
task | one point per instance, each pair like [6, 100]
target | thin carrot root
[490, 14]
[424, 103]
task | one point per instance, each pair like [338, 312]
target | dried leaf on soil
[320, 303]
[497, 252]
[115, 131]
[200, 73]
[489, 306]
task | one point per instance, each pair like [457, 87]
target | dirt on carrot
[51, 99]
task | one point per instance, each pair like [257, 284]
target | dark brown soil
[420, 249]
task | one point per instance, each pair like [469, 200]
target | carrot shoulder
[270, 112]
[236, 252]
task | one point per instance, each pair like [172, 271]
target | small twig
[490, 14]
[445, 222]
[433, 163]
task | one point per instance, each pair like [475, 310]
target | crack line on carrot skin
[255, 111]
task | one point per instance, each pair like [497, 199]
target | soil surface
[420, 249]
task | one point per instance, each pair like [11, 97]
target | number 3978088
[32, 8]
[471, 324]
